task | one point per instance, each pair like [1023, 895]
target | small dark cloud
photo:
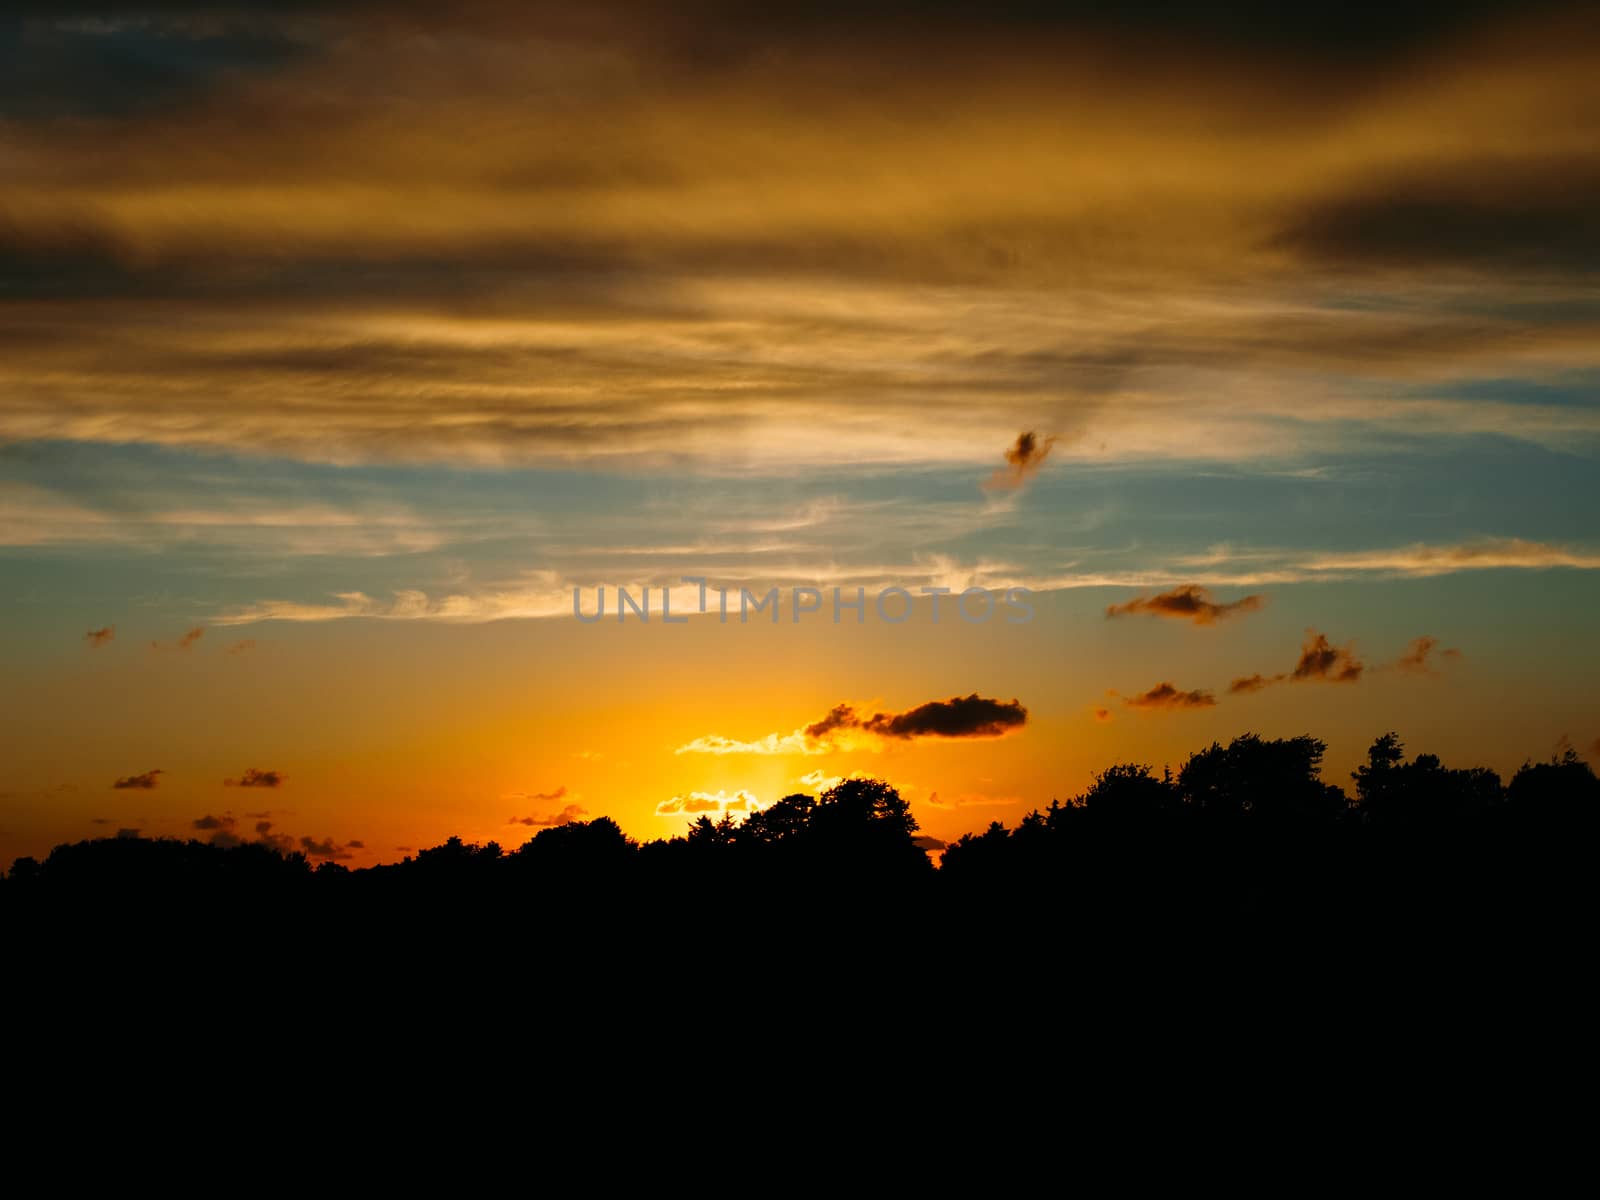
[99, 637]
[1102, 714]
[146, 780]
[1419, 654]
[1416, 655]
[263, 827]
[226, 821]
[1165, 695]
[191, 637]
[127, 832]
[971, 716]
[925, 841]
[354, 844]
[571, 812]
[538, 796]
[840, 716]
[327, 848]
[242, 647]
[1023, 459]
[101, 821]
[1320, 659]
[256, 778]
[1186, 603]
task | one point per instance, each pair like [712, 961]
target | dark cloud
[1165, 695]
[191, 637]
[1319, 659]
[243, 646]
[1102, 714]
[225, 833]
[127, 832]
[1418, 655]
[146, 780]
[971, 716]
[571, 812]
[1522, 212]
[1023, 460]
[99, 637]
[356, 844]
[327, 848]
[928, 842]
[1187, 603]
[840, 716]
[538, 796]
[256, 778]
[122, 60]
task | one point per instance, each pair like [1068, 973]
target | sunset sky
[340, 342]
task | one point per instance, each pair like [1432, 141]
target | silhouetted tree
[1390, 791]
[1265, 780]
[785, 820]
[1129, 792]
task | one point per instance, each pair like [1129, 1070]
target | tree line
[1242, 832]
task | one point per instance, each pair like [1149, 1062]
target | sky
[341, 343]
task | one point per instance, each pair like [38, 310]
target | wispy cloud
[1418, 657]
[99, 637]
[1421, 559]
